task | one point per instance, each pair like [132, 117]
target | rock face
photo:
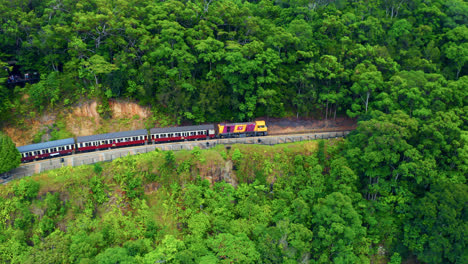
[87, 109]
[227, 174]
[83, 120]
[122, 109]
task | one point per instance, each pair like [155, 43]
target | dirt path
[293, 125]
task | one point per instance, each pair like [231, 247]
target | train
[81, 144]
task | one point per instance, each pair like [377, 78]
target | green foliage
[230, 248]
[114, 255]
[26, 189]
[59, 131]
[236, 155]
[10, 157]
[398, 184]
[98, 188]
[328, 58]
[436, 227]
[340, 236]
[296, 208]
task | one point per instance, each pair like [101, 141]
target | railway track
[30, 168]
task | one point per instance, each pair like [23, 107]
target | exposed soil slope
[84, 119]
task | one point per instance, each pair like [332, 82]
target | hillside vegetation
[207, 61]
[394, 190]
[301, 202]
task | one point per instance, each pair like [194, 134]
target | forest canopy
[394, 190]
[206, 61]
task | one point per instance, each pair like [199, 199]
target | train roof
[46, 145]
[180, 129]
[122, 134]
[235, 124]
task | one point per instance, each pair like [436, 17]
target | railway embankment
[32, 168]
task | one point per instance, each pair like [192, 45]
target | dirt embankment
[83, 120]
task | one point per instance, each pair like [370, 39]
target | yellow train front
[248, 129]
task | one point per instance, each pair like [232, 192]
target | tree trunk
[334, 116]
[326, 111]
[367, 99]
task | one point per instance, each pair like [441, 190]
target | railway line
[28, 169]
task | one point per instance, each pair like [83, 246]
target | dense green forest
[206, 61]
[307, 202]
[394, 190]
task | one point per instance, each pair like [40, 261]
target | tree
[114, 255]
[339, 235]
[234, 248]
[10, 157]
[367, 79]
[436, 226]
[381, 153]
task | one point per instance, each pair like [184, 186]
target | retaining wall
[29, 169]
